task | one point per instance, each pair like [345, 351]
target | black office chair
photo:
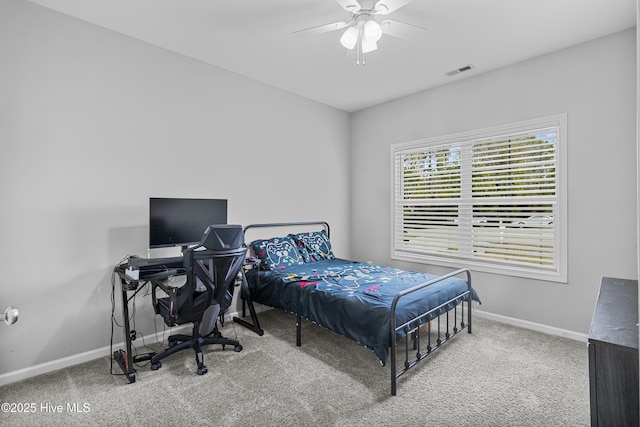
[211, 270]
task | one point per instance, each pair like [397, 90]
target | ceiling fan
[365, 28]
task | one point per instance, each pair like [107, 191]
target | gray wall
[92, 124]
[594, 83]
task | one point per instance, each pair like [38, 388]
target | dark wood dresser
[613, 355]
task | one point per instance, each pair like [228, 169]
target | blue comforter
[353, 298]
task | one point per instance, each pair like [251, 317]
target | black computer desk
[155, 271]
[149, 271]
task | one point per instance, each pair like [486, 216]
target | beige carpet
[498, 376]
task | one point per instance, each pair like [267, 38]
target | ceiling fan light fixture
[368, 45]
[372, 30]
[363, 31]
[349, 38]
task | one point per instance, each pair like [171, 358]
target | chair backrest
[218, 273]
[212, 267]
[222, 236]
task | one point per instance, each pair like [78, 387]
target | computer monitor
[182, 222]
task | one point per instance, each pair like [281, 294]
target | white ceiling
[255, 38]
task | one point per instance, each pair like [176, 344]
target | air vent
[460, 70]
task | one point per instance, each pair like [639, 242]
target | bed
[374, 305]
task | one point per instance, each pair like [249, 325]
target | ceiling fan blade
[321, 29]
[401, 30]
[349, 5]
[385, 7]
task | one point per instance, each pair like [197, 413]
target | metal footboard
[411, 328]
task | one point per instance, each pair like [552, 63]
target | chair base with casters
[181, 342]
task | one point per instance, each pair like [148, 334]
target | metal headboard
[324, 224]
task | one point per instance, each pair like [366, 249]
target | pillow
[277, 253]
[302, 250]
[316, 244]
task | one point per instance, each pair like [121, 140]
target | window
[493, 200]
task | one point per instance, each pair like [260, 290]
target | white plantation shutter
[492, 199]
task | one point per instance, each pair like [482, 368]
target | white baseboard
[65, 362]
[76, 359]
[539, 327]
[43, 368]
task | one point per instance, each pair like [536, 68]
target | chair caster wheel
[156, 366]
[203, 370]
[237, 348]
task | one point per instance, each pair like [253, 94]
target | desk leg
[126, 360]
[246, 297]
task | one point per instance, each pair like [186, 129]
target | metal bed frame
[411, 328]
